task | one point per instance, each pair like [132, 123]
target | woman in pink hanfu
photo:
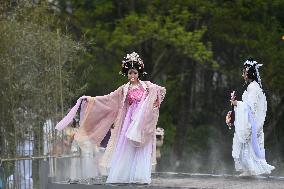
[133, 109]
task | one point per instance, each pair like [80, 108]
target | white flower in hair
[133, 57]
[252, 62]
[130, 61]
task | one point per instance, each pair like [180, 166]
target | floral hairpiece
[132, 59]
[254, 63]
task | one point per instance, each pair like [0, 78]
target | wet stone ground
[186, 180]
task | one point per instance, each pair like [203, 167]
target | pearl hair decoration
[133, 57]
[129, 61]
[254, 63]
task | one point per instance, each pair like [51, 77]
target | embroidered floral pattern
[135, 95]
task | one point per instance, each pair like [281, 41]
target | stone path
[184, 180]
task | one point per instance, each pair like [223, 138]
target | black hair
[133, 65]
[251, 71]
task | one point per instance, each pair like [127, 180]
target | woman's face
[133, 75]
[245, 75]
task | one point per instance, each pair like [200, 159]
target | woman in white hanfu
[248, 143]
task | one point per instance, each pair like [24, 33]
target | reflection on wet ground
[187, 180]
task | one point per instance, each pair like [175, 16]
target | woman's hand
[234, 102]
[228, 118]
[156, 104]
[87, 98]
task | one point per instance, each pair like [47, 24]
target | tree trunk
[184, 108]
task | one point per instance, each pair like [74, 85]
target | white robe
[248, 157]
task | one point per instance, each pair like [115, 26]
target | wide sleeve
[242, 126]
[151, 114]
[256, 100]
[242, 110]
[252, 98]
[246, 122]
[143, 125]
[71, 114]
[98, 115]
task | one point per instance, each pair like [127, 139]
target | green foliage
[37, 64]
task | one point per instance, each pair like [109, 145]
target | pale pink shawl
[101, 112]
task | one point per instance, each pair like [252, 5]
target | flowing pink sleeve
[69, 117]
[150, 115]
[99, 114]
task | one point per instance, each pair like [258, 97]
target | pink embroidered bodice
[135, 95]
